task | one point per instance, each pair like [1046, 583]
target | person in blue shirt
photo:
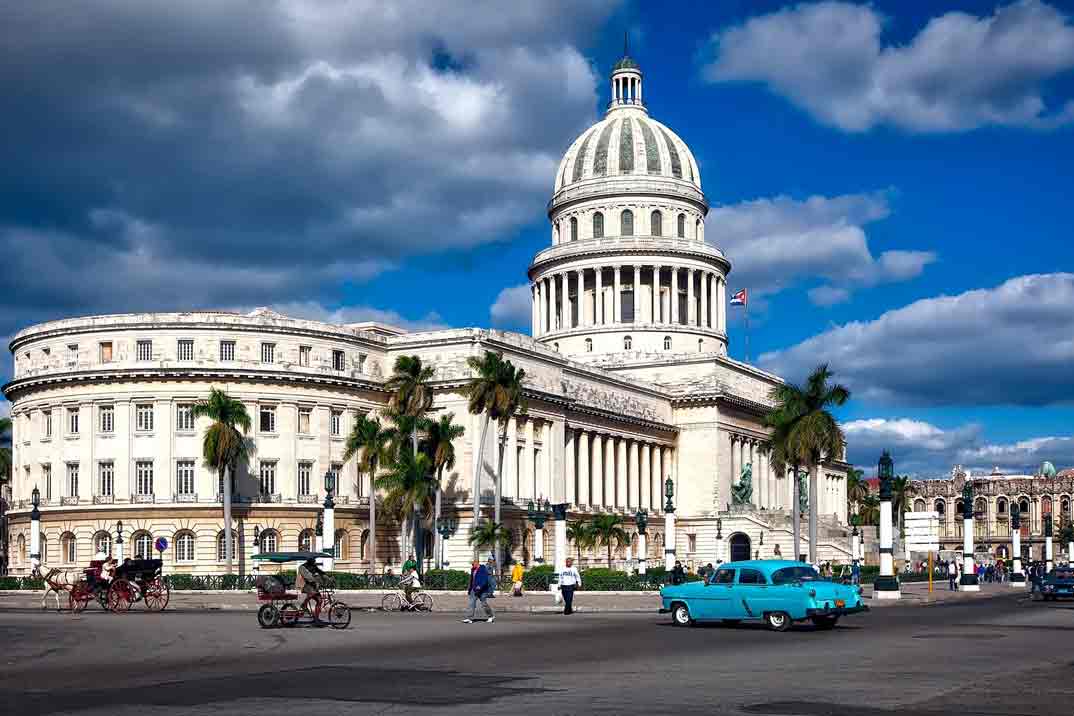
[478, 590]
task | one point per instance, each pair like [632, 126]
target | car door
[751, 593]
[714, 601]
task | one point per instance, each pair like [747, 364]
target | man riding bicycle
[310, 579]
[410, 584]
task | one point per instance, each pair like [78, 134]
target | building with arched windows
[628, 379]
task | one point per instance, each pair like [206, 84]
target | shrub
[603, 579]
[453, 579]
[538, 577]
[10, 583]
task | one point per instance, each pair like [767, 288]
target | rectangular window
[184, 418]
[106, 352]
[268, 352]
[72, 479]
[186, 349]
[268, 477]
[227, 351]
[691, 543]
[304, 355]
[361, 362]
[72, 354]
[268, 418]
[46, 417]
[305, 474]
[184, 477]
[337, 470]
[108, 418]
[143, 414]
[337, 422]
[46, 474]
[627, 305]
[304, 420]
[72, 421]
[145, 350]
[106, 473]
[143, 477]
[339, 360]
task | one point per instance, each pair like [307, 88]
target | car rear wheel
[825, 622]
[680, 615]
[778, 621]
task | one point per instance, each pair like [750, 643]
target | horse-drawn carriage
[133, 581]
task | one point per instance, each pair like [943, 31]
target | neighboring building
[1045, 493]
[628, 380]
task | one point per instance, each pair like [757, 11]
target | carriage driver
[310, 577]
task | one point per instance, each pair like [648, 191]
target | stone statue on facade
[742, 493]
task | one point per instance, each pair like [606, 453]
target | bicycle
[422, 602]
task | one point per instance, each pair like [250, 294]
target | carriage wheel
[79, 597]
[289, 614]
[120, 595]
[391, 603]
[339, 615]
[423, 602]
[102, 596]
[157, 595]
[268, 616]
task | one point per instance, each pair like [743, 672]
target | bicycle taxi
[280, 606]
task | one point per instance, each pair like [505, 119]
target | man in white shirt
[569, 580]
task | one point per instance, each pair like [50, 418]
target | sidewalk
[534, 602]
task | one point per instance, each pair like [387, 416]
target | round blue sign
[161, 544]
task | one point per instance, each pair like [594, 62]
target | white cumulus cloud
[513, 307]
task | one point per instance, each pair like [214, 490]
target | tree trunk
[479, 459]
[372, 518]
[796, 516]
[813, 479]
[438, 539]
[609, 555]
[228, 556]
[496, 508]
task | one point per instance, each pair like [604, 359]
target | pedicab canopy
[281, 557]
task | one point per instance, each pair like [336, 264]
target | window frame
[716, 576]
[305, 473]
[268, 411]
[143, 470]
[72, 420]
[574, 228]
[339, 360]
[141, 344]
[106, 478]
[186, 474]
[680, 229]
[598, 225]
[335, 423]
[72, 478]
[146, 411]
[184, 418]
[305, 356]
[46, 417]
[266, 470]
[626, 223]
[226, 348]
[757, 577]
[656, 223]
[105, 348]
[185, 538]
[184, 346]
[306, 413]
[268, 350]
[106, 419]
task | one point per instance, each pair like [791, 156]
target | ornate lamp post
[328, 525]
[445, 527]
[669, 525]
[1048, 556]
[559, 518]
[35, 531]
[641, 519]
[855, 539]
[119, 541]
[538, 514]
[968, 582]
[719, 540]
[886, 585]
[1018, 578]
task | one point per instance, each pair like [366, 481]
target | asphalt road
[1004, 655]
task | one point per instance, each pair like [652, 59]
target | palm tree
[408, 487]
[857, 489]
[373, 442]
[439, 445]
[489, 534]
[581, 534]
[223, 446]
[5, 452]
[806, 433]
[869, 510]
[608, 529]
[411, 394]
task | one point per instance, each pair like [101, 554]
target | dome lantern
[626, 82]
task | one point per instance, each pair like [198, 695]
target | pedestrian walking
[517, 572]
[952, 575]
[678, 574]
[569, 580]
[855, 573]
[478, 591]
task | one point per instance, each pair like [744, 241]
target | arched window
[68, 548]
[940, 507]
[363, 546]
[1046, 506]
[1001, 507]
[628, 343]
[143, 545]
[698, 233]
[270, 540]
[626, 223]
[221, 554]
[656, 219]
[919, 505]
[43, 546]
[102, 543]
[1023, 507]
[1064, 508]
[682, 226]
[667, 343]
[306, 541]
[700, 345]
[556, 346]
[555, 233]
[184, 547]
[339, 546]
[588, 345]
[598, 225]
[574, 229]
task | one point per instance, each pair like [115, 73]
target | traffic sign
[922, 531]
[161, 544]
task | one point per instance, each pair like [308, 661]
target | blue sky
[890, 180]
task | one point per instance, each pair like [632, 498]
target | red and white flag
[739, 299]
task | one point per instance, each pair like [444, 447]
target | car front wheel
[778, 621]
[680, 615]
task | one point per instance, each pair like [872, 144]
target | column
[546, 487]
[510, 486]
[721, 310]
[656, 295]
[968, 581]
[674, 296]
[1017, 578]
[579, 277]
[329, 531]
[645, 480]
[617, 309]
[543, 308]
[691, 309]
[538, 543]
[565, 301]
[35, 520]
[598, 296]
[762, 487]
[609, 471]
[657, 484]
[886, 585]
[525, 473]
[597, 497]
[643, 553]
[559, 528]
[583, 468]
[570, 471]
[621, 479]
[754, 473]
[552, 305]
[703, 319]
[534, 326]
[633, 500]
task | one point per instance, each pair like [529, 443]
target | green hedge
[11, 583]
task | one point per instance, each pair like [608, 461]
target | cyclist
[310, 578]
[410, 584]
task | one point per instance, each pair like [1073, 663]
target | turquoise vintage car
[778, 592]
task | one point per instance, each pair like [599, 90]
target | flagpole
[747, 307]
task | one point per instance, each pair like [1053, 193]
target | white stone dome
[629, 143]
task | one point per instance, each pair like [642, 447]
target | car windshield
[723, 576]
[787, 575]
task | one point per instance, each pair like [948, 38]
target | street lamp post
[968, 582]
[855, 539]
[328, 526]
[641, 519]
[538, 514]
[559, 518]
[445, 527]
[35, 531]
[1048, 556]
[886, 585]
[1018, 578]
[669, 525]
[719, 541]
